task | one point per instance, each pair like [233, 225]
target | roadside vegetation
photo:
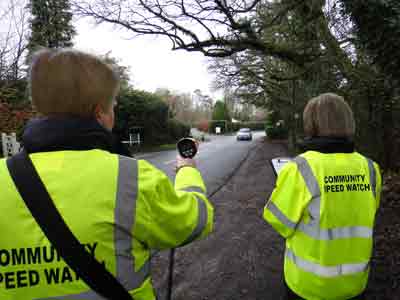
[269, 58]
[279, 54]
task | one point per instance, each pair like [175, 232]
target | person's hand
[184, 162]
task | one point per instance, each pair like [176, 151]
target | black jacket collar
[69, 133]
[328, 145]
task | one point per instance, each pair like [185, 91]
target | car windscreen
[244, 130]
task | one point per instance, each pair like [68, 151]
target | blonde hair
[67, 81]
[328, 115]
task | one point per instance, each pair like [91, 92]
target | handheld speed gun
[187, 147]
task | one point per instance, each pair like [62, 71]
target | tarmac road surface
[216, 159]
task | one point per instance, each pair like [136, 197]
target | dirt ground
[385, 273]
[243, 257]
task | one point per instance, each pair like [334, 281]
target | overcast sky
[152, 62]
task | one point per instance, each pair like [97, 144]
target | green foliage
[353, 45]
[143, 112]
[281, 53]
[377, 24]
[50, 24]
[225, 126]
[146, 113]
[275, 127]
[277, 82]
[220, 111]
[252, 125]
[376, 93]
[221, 117]
[14, 92]
[177, 130]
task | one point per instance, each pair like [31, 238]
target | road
[216, 159]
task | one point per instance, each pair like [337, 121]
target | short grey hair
[328, 115]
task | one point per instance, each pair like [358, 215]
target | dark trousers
[288, 294]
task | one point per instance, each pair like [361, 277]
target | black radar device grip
[187, 147]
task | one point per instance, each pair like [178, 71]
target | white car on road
[244, 134]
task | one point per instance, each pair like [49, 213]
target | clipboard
[277, 164]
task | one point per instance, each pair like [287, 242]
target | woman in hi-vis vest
[118, 208]
[324, 205]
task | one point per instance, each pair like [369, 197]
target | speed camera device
[187, 147]
[278, 163]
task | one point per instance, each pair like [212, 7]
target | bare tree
[217, 28]
[13, 42]
[262, 79]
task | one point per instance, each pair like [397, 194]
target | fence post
[10, 144]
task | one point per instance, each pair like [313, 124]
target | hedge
[146, 113]
[276, 130]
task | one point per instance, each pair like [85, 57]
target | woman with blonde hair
[117, 208]
[324, 205]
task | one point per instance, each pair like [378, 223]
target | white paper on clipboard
[278, 163]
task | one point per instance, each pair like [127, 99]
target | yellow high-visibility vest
[119, 208]
[324, 205]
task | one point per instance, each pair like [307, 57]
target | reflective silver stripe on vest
[323, 271]
[321, 234]
[313, 187]
[372, 176]
[313, 229]
[335, 233]
[124, 218]
[81, 296]
[193, 189]
[201, 221]
[280, 216]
